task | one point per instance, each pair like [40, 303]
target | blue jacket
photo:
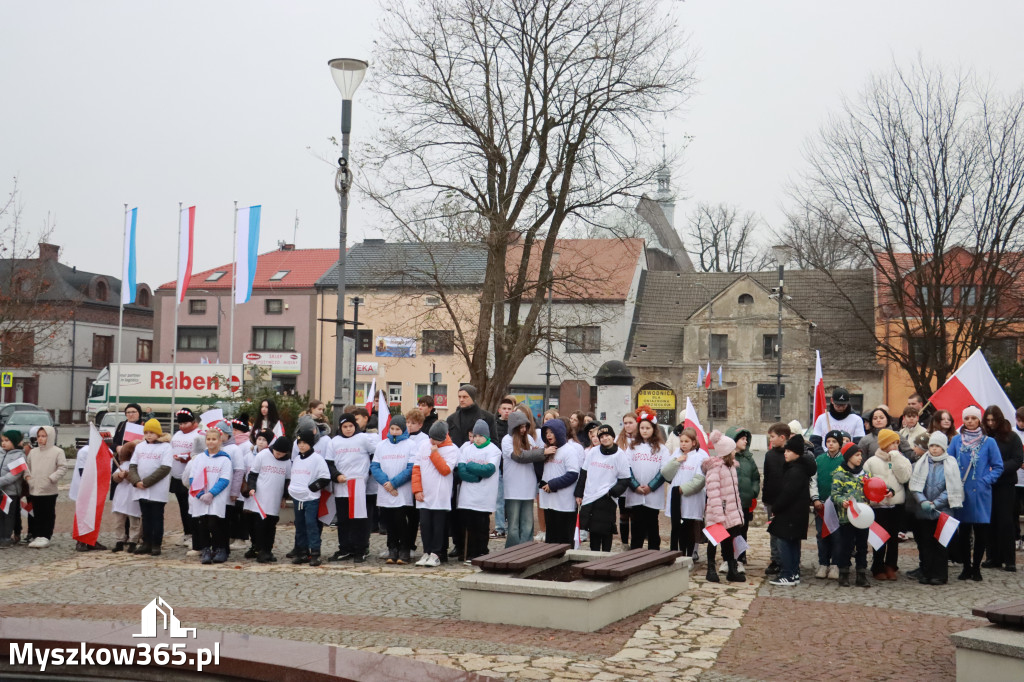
[557, 427]
[978, 483]
[934, 491]
[402, 477]
[219, 486]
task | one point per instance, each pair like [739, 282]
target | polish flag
[210, 418]
[690, 420]
[27, 506]
[819, 390]
[18, 466]
[877, 536]
[716, 534]
[133, 432]
[576, 534]
[199, 484]
[5, 503]
[278, 430]
[186, 238]
[369, 396]
[707, 376]
[383, 409]
[92, 490]
[356, 498]
[972, 384]
[327, 508]
[259, 507]
[830, 519]
[945, 529]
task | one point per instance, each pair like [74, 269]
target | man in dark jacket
[460, 424]
[774, 461]
[789, 509]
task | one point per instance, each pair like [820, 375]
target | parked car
[28, 423]
[7, 409]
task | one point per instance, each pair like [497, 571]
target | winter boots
[844, 577]
[862, 578]
[734, 576]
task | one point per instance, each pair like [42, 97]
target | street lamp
[347, 75]
[782, 253]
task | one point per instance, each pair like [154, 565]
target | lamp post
[547, 371]
[347, 74]
[781, 252]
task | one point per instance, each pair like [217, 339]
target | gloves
[206, 498]
[927, 506]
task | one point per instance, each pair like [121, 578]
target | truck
[151, 384]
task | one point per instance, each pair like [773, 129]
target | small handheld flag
[26, 506]
[327, 508]
[18, 466]
[739, 545]
[382, 409]
[690, 420]
[945, 529]
[211, 417]
[259, 507]
[369, 396]
[133, 432]
[5, 503]
[576, 534]
[830, 520]
[877, 536]
[356, 498]
[716, 534]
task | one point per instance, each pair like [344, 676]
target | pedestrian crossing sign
[6, 379]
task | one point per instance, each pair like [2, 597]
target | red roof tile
[586, 269]
[304, 266]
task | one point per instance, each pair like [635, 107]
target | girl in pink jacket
[723, 501]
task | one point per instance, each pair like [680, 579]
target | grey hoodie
[10, 483]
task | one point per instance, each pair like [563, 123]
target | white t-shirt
[645, 465]
[124, 502]
[393, 459]
[216, 468]
[271, 475]
[565, 460]
[603, 472]
[437, 488]
[690, 506]
[182, 446]
[305, 471]
[237, 469]
[351, 457]
[519, 479]
[482, 495]
[76, 476]
[149, 457]
[852, 423]
[1020, 472]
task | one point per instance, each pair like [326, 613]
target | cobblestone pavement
[712, 632]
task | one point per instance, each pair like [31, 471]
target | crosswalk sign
[6, 379]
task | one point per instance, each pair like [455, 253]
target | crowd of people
[439, 485]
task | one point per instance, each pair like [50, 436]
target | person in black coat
[771, 481]
[790, 508]
[1003, 526]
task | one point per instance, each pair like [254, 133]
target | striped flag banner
[576, 535]
[27, 507]
[830, 519]
[327, 508]
[18, 466]
[247, 226]
[92, 490]
[945, 529]
[133, 432]
[186, 240]
[716, 534]
[356, 498]
[877, 536]
[5, 503]
[129, 266]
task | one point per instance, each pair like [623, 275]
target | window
[214, 276]
[394, 392]
[18, 348]
[769, 407]
[768, 411]
[102, 351]
[582, 339]
[144, 350]
[432, 301]
[719, 346]
[197, 306]
[438, 342]
[989, 294]
[969, 295]
[364, 340]
[718, 405]
[770, 346]
[197, 338]
[1004, 349]
[928, 294]
[279, 275]
[101, 290]
[746, 299]
[273, 338]
[926, 349]
[142, 298]
[273, 306]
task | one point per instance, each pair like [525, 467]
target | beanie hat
[849, 450]
[224, 426]
[399, 421]
[721, 444]
[836, 435]
[972, 411]
[481, 429]
[796, 427]
[153, 426]
[922, 441]
[347, 418]
[470, 389]
[282, 444]
[307, 433]
[887, 438]
[138, 408]
[14, 435]
[438, 431]
[240, 425]
[266, 434]
[796, 444]
[184, 415]
[939, 438]
[605, 429]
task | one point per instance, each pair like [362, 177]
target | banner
[395, 347]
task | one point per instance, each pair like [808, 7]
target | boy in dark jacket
[789, 510]
[774, 461]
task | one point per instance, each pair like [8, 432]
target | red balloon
[875, 489]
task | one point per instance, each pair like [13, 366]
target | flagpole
[120, 320]
[174, 341]
[234, 285]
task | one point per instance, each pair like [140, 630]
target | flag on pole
[707, 376]
[877, 536]
[328, 507]
[370, 396]
[830, 519]
[819, 388]
[700, 376]
[128, 267]
[5, 503]
[259, 507]
[247, 226]
[18, 466]
[93, 489]
[383, 424]
[186, 238]
[690, 420]
[972, 384]
[356, 498]
[945, 529]
[716, 534]
[576, 534]
[133, 432]
[719, 376]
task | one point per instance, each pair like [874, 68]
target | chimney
[286, 247]
[48, 251]
[373, 241]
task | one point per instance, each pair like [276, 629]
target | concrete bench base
[582, 605]
[991, 653]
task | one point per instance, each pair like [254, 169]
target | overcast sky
[106, 102]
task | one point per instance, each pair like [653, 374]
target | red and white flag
[945, 529]
[259, 507]
[576, 542]
[327, 508]
[707, 376]
[877, 536]
[691, 421]
[18, 466]
[716, 534]
[27, 507]
[972, 384]
[369, 396]
[278, 430]
[830, 519]
[210, 418]
[186, 239]
[356, 498]
[383, 422]
[92, 490]
[133, 431]
[819, 389]
[5, 503]
[199, 484]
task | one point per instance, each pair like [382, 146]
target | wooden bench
[519, 558]
[1010, 614]
[621, 566]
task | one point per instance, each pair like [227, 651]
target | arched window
[746, 299]
[101, 290]
[143, 298]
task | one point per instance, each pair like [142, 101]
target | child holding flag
[828, 546]
[209, 478]
[847, 488]
[125, 508]
[724, 505]
[348, 460]
[936, 484]
[265, 487]
[891, 466]
[10, 484]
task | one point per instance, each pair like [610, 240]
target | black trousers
[455, 529]
[934, 557]
[623, 521]
[852, 540]
[7, 520]
[561, 526]
[399, 520]
[645, 527]
[477, 525]
[152, 522]
[728, 550]
[685, 533]
[964, 536]
[44, 515]
[209, 532]
[601, 542]
[180, 492]
[1002, 531]
[237, 529]
[264, 531]
[353, 534]
[432, 530]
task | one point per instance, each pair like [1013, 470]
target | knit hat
[470, 389]
[922, 441]
[849, 450]
[481, 429]
[266, 434]
[224, 426]
[939, 438]
[796, 444]
[837, 435]
[347, 418]
[153, 426]
[399, 421]
[583, 434]
[14, 435]
[721, 444]
[438, 431]
[282, 444]
[972, 411]
[138, 408]
[184, 415]
[240, 425]
[604, 429]
[796, 427]
[887, 438]
[307, 433]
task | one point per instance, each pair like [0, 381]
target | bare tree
[821, 238]
[724, 239]
[527, 116]
[927, 167]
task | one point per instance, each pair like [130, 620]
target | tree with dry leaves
[725, 240]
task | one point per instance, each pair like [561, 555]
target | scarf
[484, 444]
[972, 440]
[610, 450]
[398, 439]
[954, 487]
[855, 471]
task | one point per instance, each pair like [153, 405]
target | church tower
[665, 197]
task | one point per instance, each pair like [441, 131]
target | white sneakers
[433, 561]
[741, 567]
[539, 537]
[39, 543]
[822, 572]
[723, 567]
[238, 544]
[423, 560]
[186, 541]
[833, 572]
[192, 552]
